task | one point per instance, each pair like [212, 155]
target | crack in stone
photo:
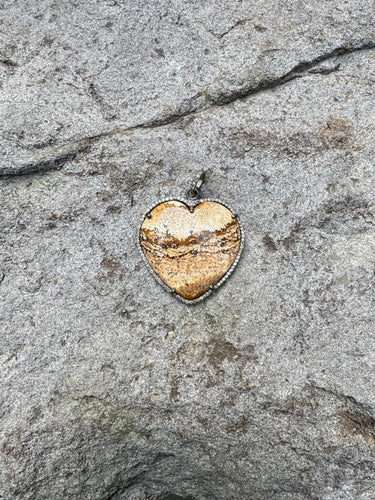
[223, 99]
[367, 221]
[201, 102]
[343, 397]
[43, 165]
[8, 62]
[324, 70]
[219, 36]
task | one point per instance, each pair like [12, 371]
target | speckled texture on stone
[110, 388]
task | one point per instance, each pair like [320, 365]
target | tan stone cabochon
[190, 251]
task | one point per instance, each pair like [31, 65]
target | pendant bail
[194, 191]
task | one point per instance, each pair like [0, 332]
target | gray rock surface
[110, 387]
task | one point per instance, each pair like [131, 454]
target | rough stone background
[110, 387]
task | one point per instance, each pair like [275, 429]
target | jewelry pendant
[191, 246]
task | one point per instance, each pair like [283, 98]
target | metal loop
[194, 192]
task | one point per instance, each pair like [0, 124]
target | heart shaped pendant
[191, 246]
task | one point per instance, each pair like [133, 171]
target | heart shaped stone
[191, 250]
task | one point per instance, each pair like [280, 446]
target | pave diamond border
[191, 206]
